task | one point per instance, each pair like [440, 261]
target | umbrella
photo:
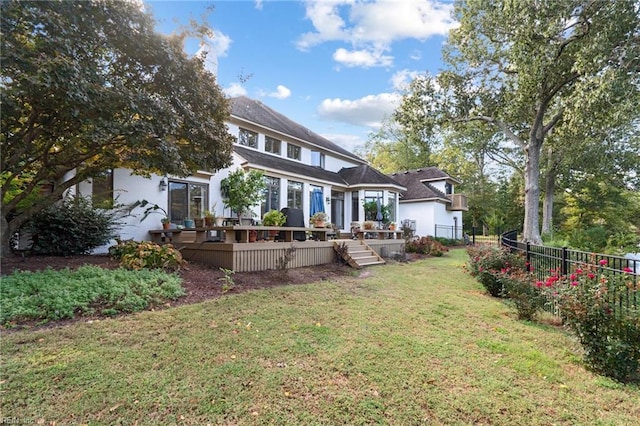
[378, 212]
[317, 205]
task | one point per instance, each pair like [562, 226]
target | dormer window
[317, 159]
[272, 145]
[248, 138]
[448, 188]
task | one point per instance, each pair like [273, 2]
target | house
[295, 162]
[429, 205]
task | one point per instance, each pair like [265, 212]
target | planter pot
[219, 221]
[253, 236]
[188, 223]
[319, 224]
[392, 227]
[166, 226]
[208, 222]
[199, 222]
[246, 221]
[273, 234]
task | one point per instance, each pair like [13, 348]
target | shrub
[51, 295]
[487, 264]
[598, 306]
[138, 255]
[522, 289]
[71, 227]
[426, 245]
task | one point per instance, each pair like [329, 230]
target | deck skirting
[262, 256]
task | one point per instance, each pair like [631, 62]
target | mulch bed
[201, 282]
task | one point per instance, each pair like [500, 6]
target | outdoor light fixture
[163, 184]
[328, 200]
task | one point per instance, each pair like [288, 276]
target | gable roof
[418, 186]
[256, 112]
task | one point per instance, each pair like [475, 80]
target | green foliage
[598, 306]
[52, 295]
[274, 218]
[227, 280]
[242, 190]
[488, 264]
[91, 86]
[426, 245]
[371, 211]
[71, 226]
[138, 255]
[520, 288]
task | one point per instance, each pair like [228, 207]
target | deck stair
[358, 253]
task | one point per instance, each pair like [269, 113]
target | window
[391, 206]
[187, 200]
[271, 145]
[317, 159]
[102, 190]
[294, 151]
[371, 200]
[248, 138]
[448, 188]
[271, 195]
[294, 195]
[337, 209]
[355, 207]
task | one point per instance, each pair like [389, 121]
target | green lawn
[405, 344]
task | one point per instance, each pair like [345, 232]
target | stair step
[376, 262]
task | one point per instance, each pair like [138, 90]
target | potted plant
[242, 190]
[198, 222]
[273, 218]
[152, 208]
[368, 224]
[318, 219]
[166, 223]
[392, 226]
[188, 223]
[209, 218]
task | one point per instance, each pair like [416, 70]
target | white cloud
[258, 4]
[372, 26]
[213, 48]
[401, 79]
[361, 58]
[235, 89]
[346, 141]
[281, 92]
[368, 111]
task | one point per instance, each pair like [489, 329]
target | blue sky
[336, 67]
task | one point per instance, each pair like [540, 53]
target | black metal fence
[544, 261]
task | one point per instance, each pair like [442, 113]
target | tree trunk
[531, 231]
[5, 237]
[547, 202]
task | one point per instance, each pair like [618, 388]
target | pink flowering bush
[489, 265]
[599, 308]
[521, 288]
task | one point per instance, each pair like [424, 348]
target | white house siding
[429, 214]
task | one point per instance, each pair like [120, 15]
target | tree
[242, 190]
[90, 86]
[525, 68]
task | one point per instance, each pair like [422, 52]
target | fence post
[528, 257]
[565, 261]
[473, 235]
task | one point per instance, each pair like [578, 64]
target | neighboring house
[429, 203]
[295, 162]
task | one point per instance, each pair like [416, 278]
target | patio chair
[295, 218]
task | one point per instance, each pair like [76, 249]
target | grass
[406, 344]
